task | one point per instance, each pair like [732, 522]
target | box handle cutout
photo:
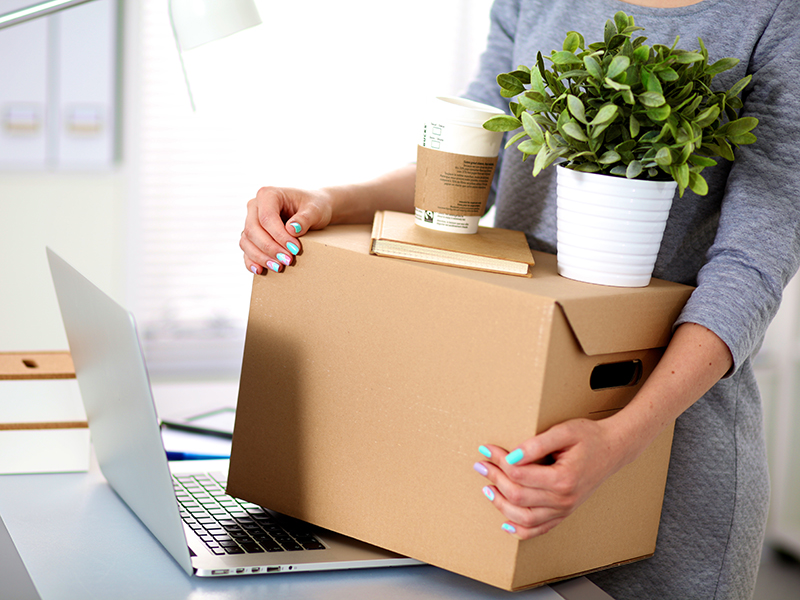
[30, 363]
[613, 375]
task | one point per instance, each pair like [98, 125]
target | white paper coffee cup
[456, 158]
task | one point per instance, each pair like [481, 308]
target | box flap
[604, 319]
[630, 319]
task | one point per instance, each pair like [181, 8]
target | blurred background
[103, 159]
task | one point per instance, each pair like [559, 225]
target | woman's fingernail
[485, 451]
[287, 260]
[273, 265]
[509, 528]
[481, 469]
[297, 227]
[293, 248]
[487, 491]
[254, 269]
[514, 457]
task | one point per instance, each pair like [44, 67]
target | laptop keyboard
[228, 525]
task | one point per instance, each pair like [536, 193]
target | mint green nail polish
[284, 258]
[485, 451]
[292, 248]
[514, 457]
[487, 491]
[297, 227]
[509, 528]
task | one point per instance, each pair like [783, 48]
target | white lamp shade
[197, 22]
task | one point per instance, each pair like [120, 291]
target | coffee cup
[456, 160]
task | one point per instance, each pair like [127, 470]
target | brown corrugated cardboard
[369, 383]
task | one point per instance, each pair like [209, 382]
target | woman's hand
[548, 476]
[542, 481]
[276, 218]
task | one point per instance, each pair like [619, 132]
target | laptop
[182, 503]
[17, 583]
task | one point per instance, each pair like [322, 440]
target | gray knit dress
[739, 245]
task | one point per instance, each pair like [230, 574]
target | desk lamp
[197, 22]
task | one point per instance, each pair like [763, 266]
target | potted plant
[616, 112]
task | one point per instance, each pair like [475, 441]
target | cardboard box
[368, 384]
[43, 426]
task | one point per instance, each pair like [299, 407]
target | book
[491, 249]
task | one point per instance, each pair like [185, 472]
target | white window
[321, 93]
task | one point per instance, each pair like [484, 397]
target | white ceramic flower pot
[609, 228]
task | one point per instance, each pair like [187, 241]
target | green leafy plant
[621, 107]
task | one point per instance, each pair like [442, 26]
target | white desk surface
[79, 540]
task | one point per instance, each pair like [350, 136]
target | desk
[79, 540]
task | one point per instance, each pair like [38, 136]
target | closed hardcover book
[491, 249]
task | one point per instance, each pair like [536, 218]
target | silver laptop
[181, 502]
[17, 582]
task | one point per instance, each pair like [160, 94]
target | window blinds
[321, 93]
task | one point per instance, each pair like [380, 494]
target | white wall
[80, 216]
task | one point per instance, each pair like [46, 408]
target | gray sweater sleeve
[757, 245]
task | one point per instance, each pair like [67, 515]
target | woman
[739, 245]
